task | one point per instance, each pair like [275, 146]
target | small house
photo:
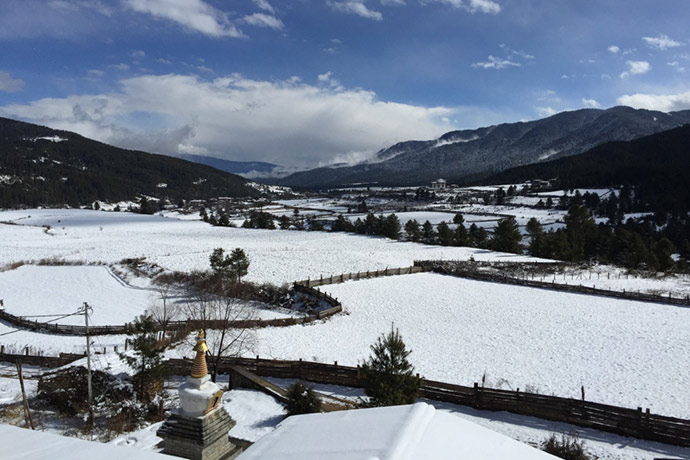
[438, 184]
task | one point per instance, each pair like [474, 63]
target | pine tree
[445, 234]
[507, 236]
[302, 399]
[414, 233]
[234, 266]
[389, 376]
[148, 352]
[428, 233]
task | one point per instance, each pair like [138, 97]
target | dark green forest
[657, 166]
[77, 171]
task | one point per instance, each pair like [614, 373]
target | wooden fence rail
[188, 325]
[336, 279]
[623, 421]
[612, 419]
[470, 271]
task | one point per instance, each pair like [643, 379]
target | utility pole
[27, 412]
[88, 364]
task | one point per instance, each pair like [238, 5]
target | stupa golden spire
[199, 368]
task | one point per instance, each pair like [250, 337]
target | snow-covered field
[47, 290]
[276, 256]
[624, 353]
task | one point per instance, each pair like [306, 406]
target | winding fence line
[187, 325]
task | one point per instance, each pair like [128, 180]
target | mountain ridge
[41, 166]
[461, 155]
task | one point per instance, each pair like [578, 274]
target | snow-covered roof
[23, 444]
[416, 431]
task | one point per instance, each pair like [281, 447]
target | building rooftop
[410, 432]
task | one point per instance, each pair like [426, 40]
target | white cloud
[195, 15]
[636, 68]
[473, 6]
[495, 63]
[137, 53]
[590, 103]
[662, 42]
[263, 20]
[9, 84]
[95, 73]
[121, 66]
[393, 2]
[356, 7]
[544, 112]
[77, 5]
[613, 49]
[285, 122]
[661, 102]
[264, 5]
[676, 65]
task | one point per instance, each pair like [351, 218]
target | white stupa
[198, 430]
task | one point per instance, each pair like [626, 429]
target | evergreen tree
[536, 233]
[445, 234]
[460, 236]
[428, 233]
[148, 353]
[233, 266]
[580, 228]
[478, 236]
[284, 222]
[301, 399]
[389, 376]
[507, 236]
[341, 224]
[359, 226]
[390, 227]
[414, 233]
[224, 220]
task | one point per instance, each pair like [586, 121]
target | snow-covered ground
[61, 290]
[277, 256]
[624, 353]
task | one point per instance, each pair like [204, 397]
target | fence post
[26, 350]
[2, 349]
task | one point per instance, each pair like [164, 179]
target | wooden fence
[40, 361]
[335, 279]
[183, 326]
[470, 270]
[612, 419]
[622, 421]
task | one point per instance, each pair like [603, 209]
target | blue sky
[308, 82]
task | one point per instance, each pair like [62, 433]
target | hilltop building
[439, 184]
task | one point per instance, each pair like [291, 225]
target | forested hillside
[40, 166]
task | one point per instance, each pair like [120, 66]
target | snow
[50, 138]
[40, 290]
[534, 339]
[22, 444]
[256, 413]
[392, 433]
[624, 353]
[277, 256]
